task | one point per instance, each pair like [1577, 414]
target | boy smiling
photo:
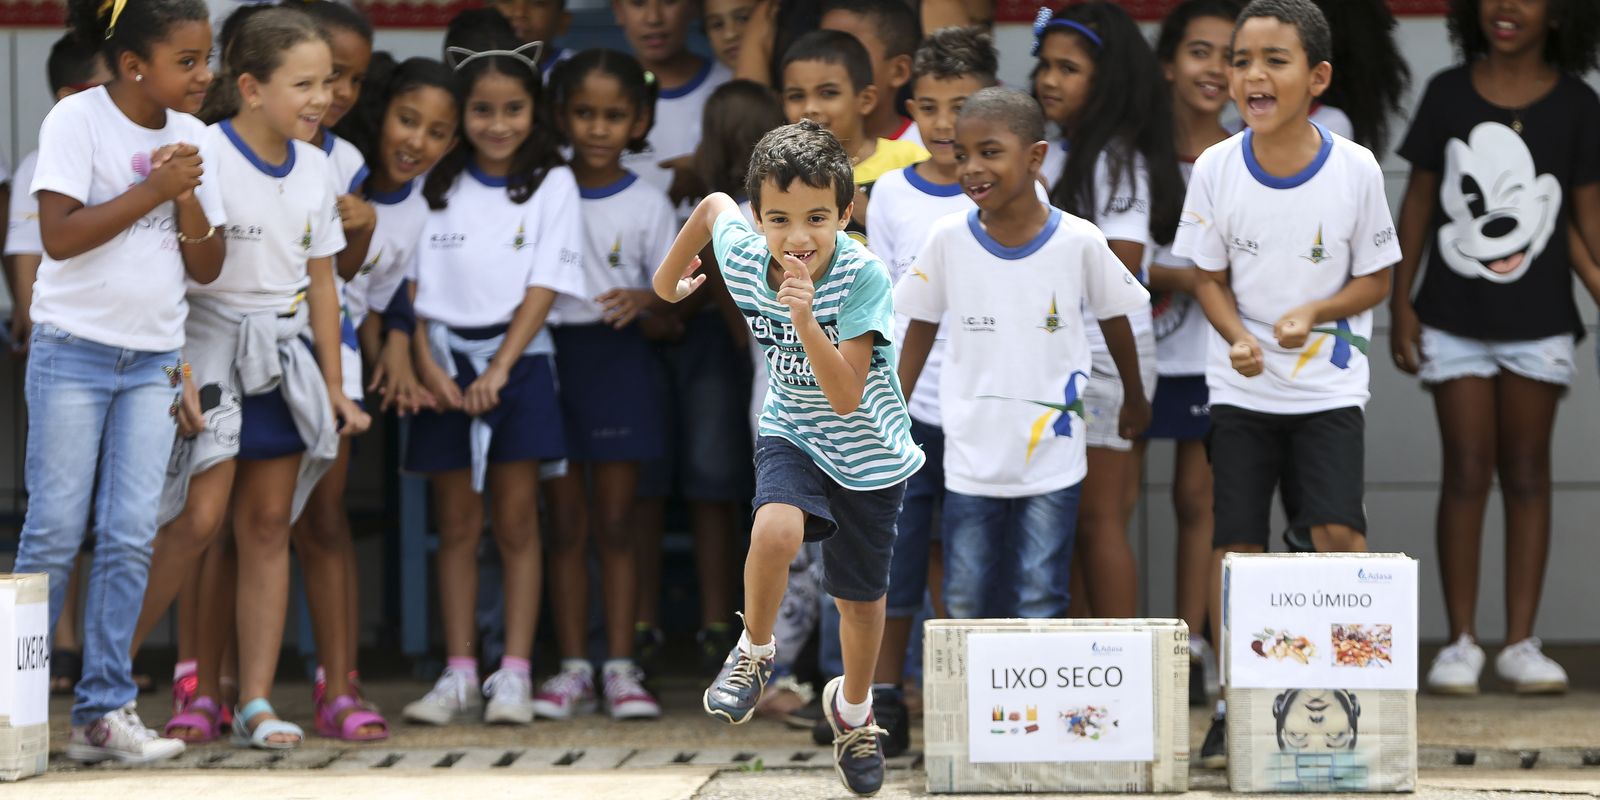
[835, 447]
[1289, 225]
[1009, 276]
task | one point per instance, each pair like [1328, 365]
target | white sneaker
[1456, 668]
[1200, 651]
[510, 698]
[626, 697]
[120, 736]
[568, 692]
[454, 697]
[1528, 670]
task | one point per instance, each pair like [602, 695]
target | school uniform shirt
[1290, 241]
[904, 208]
[1018, 358]
[22, 217]
[349, 166]
[1122, 213]
[279, 217]
[1181, 328]
[392, 253]
[481, 253]
[869, 448]
[1499, 266]
[128, 292]
[628, 227]
[676, 131]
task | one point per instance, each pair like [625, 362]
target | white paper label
[30, 662]
[1311, 623]
[1068, 696]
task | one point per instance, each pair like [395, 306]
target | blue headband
[1045, 20]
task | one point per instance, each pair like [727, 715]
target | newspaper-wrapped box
[1056, 705]
[1320, 662]
[24, 675]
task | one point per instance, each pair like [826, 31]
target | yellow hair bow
[115, 7]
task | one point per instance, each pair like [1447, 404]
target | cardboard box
[1056, 705]
[1320, 661]
[24, 675]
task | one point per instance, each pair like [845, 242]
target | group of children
[977, 311]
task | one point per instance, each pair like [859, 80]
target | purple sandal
[200, 714]
[349, 730]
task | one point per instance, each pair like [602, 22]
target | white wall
[1402, 442]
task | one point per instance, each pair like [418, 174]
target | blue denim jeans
[1026, 540]
[94, 408]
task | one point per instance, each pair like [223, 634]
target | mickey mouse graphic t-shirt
[1499, 266]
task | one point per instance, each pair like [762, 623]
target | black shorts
[856, 528]
[1317, 459]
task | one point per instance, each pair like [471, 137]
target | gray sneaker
[857, 752]
[732, 697]
[120, 736]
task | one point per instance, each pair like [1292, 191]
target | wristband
[210, 232]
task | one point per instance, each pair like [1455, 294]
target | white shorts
[1446, 357]
[1102, 397]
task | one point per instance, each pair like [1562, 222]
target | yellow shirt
[891, 154]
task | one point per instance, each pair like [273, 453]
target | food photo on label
[1357, 645]
[1283, 645]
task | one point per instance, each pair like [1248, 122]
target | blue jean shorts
[1446, 357]
[856, 528]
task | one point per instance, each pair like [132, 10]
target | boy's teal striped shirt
[869, 448]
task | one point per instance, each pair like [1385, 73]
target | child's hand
[440, 386]
[797, 290]
[1293, 327]
[175, 171]
[1405, 338]
[191, 420]
[484, 393]
[1246, 357]
[396, 380]
[352, 420]
[623, 306]
[690, 281]
[356, 214]
[1134, 417]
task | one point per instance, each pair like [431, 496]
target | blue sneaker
[857, 752]
[732, 697]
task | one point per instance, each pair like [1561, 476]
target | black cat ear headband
[528, 54]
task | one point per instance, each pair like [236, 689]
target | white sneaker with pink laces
[626, 697]
[566, 694]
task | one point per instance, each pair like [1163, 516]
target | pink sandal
[349, 730]
[201, 714]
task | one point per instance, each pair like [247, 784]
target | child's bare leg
[775, 538]
[459, 512]
[513, 490]
[1467, 418]
[713, 551]
[1527, 417]
[860, 634]
[648, 514]
[615, 483]
[261, 536]
[180, 544]
[1191, 498]
[568, 554]
[1113, 579]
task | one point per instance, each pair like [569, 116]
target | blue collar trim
[1274, 182]
[602, 192]
[1021, 251]
[485, 178]
[327, 141]
[928, 187]
[270, 170]
[693, 84]
[392, 198]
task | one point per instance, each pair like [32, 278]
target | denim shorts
[705, 391]
[1446, 357]
[1102, 395]
[856, 528]
[916, 526]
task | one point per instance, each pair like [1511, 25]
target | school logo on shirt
[919, 273]
[372, 263]
[1345, 342]
[615, 258]
[305, 236]
[241, 233]
[1052, 318]
[520, 240]
[447, 241]
[1058, 420]
[1319, 252]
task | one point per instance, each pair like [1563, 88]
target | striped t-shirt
[869, 448]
